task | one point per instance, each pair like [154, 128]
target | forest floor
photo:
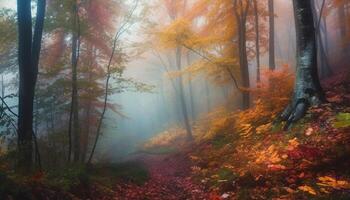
[170, 179]
[247, 155]
[235, 155]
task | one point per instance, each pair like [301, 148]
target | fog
[146, 114]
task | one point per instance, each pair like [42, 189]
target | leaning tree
[307, 90]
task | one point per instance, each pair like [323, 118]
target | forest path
[169, 180]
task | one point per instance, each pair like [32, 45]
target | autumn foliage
[271, 96]
[247, 155]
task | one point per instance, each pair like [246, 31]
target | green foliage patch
[342, 120]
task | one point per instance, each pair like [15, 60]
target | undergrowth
[247, 155]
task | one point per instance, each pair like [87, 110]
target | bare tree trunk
[190, 86]
[28, 60]
[327, 71]
[241, 12]
[307, 90]
[104, 109]
[342, 21]
[207, 95]
[257, 39]
[272, 64]
[324, 66]
[181, 94]
[74, 111]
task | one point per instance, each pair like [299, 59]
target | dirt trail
[169, 180]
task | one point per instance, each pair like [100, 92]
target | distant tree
[73, 127]
[321, 32]
[307, 91]
[257, 40]
[272, 62]
[28, 59]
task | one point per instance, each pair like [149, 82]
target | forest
[174, 99]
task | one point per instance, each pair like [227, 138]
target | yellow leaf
[307, 189]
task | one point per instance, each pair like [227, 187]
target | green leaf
[342, 120]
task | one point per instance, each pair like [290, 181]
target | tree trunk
[326, 71]
[28, 59]
[272, 64]
[207, 95]
[182, 96]
[257, 37]
[307, 90]
[74, 111]
[190, 87]
[86, 134]
[241, 12]
[244, 65]
[104, 109]
[342, 21]
[324, 67]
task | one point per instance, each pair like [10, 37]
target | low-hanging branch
[211, 61]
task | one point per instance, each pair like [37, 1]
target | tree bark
[28, 59]
[257, 37]
[181, 94]
[272, 64]
[241, 12]
[307, 90]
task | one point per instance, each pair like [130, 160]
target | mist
[174, 99]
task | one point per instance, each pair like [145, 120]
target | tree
[28, 59]
[173, 37]
[321, 32]
[241, 9]
[307, 90]
[257, 40]
[74, 110]
[272, 64]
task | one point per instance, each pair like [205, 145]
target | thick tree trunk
[28, 59]
[307, 91]
[272, 64]
[257, 39]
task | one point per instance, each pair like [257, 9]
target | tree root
[298, 107]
